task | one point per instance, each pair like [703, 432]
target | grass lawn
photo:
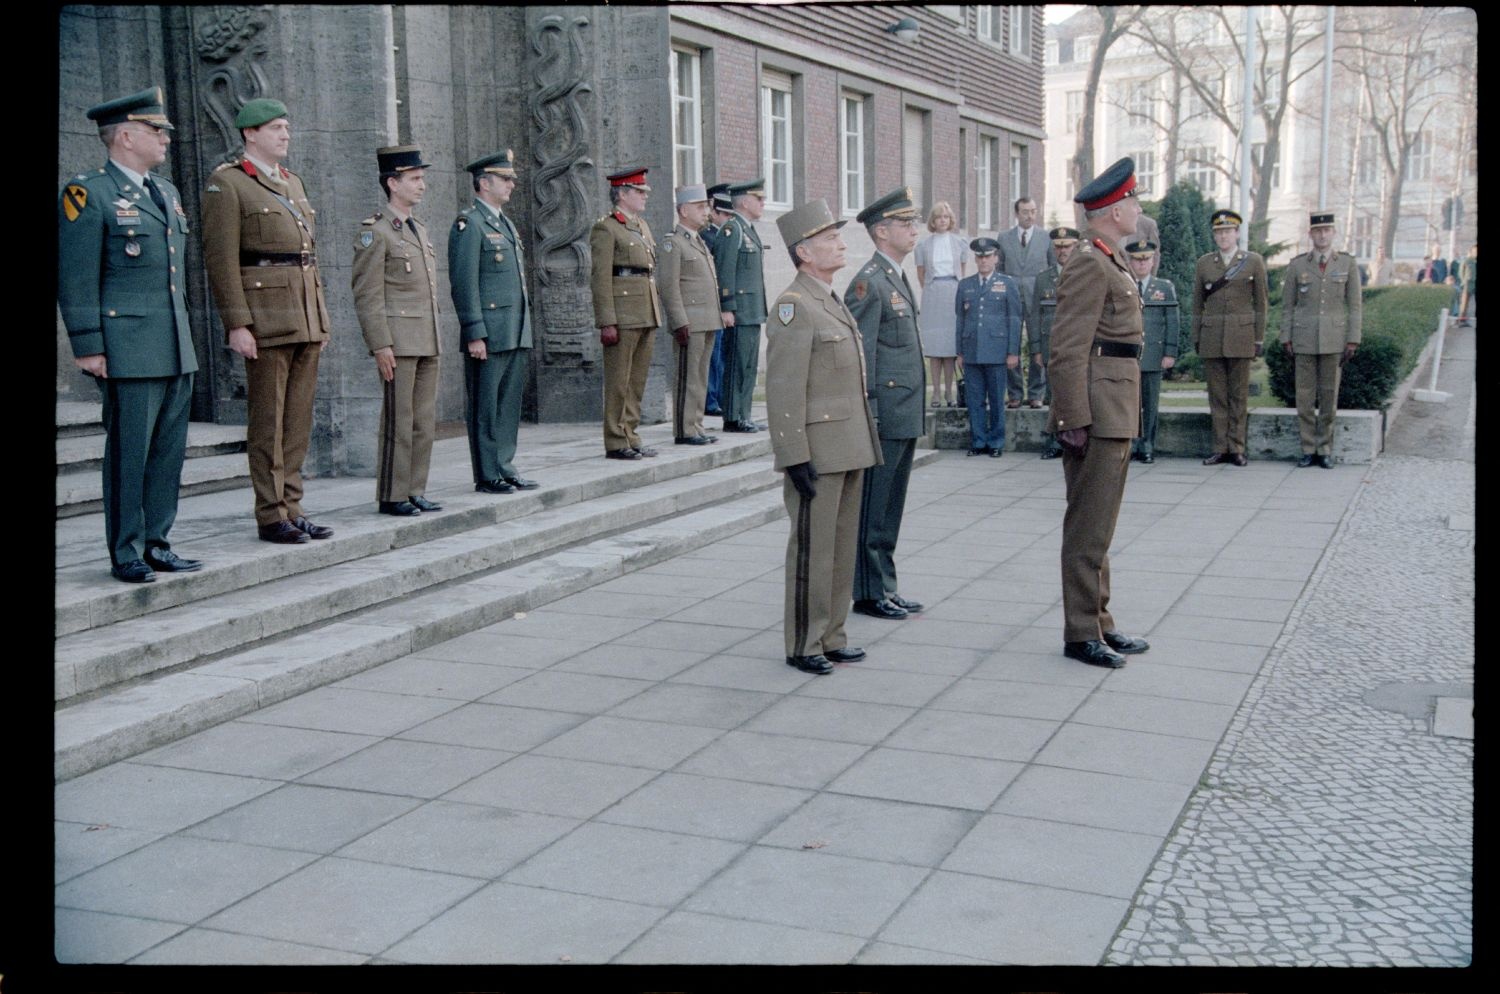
[1197, 390]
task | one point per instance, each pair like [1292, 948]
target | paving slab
[1055, 854]
[786, 760]
[927, 778]
[303, 818]
[207, 947]
[79, 847]
[472, 840]
[94, 937]
[710, 806]
[571, 788]
[622, 862]
[406, 768]
[872, 828]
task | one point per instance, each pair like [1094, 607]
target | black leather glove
[803, 476]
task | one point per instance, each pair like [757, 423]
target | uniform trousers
[820, 562]
[1036, 375]
[691, 389]
[626, 364]
[880, 520]
[279, 388]
[1150, 403]
[408, 422]
[494, 387]
[716, 376]
[1095, 484]
[1317, 386]
[1228, 402]
[985, 398]
[741, 358]
[145, 424]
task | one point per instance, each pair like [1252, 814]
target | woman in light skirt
[942, 259]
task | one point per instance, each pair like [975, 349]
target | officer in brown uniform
[690, 296]
[395, 296]
[1096, 409]
[627, 309]
[1321, 313]
[260, 249]
[822, 435]
[1229, 327]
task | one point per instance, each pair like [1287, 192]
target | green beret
[261, 110]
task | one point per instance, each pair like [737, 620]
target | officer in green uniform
[882, 302]
[487, 277]
[1229, 329]
[1159, 320]
[395, 296]
[739, 258]
[720, 207]
[121, 236]
[1039, 313]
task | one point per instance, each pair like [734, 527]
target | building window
[1051, 52]
[1083, 49]
[1369, 168]
[1140, 101]
[1257, 156]
[1145, 173]
[1364, 237]
[853, 150]
[916, 150]
[1418, 156]
[1270, 93]
[687, 136]
[1197, 107]
[1074, 112]
[1198, 168]
[984, 169]
[988, 24]
[776, 138]
[1020, 31]
[1020, 175]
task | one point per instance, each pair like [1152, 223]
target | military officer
[739, 258]
[882, 301]
[1096, 409]
[260, 250]
[990, 312]
[121, 234]
[1321, 313]
[720, 207]
[690, 295]
[822, 436]
[627, 309]
[1146, 230]
[395, 296]
[487, 279]
[1040, 309]
[1159, 320]
[1229, 329]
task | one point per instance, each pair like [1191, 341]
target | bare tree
[1114, 22]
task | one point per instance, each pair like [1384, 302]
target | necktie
[1322, 263]
[1025, 237]
[156, 197]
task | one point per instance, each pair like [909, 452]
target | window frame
[777, 82]
[695, 101]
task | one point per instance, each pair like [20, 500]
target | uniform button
[492, 307]
[172, 287]
[257, 283]
[172, 249]
[265, 210]
[172, 268]
[111, 313]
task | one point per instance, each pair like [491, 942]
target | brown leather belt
[303, 259]
[1116, 350]
[631, 271]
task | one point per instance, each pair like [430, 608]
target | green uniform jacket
[628, 301]
[1232, 322]
[739, 258]
[895, 375]
[1321, 312]
[487, 279]
[119, 279]
[1097, 301]
[395, 286]
[1040, 310]
[1159, 315]
[243, 217]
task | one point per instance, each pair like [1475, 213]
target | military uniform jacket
[395, 286]
[1159, 315]
[629, 301]
[243, 217]
[815, 383]
[1232, 321]
[1097, 301]
[1041, 308]
[689, 285]
[882, 304]
[1321, 312]
[990, 315]
[119, 279]
[739, 258]
[487, 279]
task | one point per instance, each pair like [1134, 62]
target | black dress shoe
[136, 571]
[283, 533]
[810, 664]
[844, 655]
[978, 452]
[646, 451]
[1148, 458]
[312, 530]
[1326, 462]
[691, 440]
[1127, 644]
[1239, 459]
[1217, 458]
[880, 609]
[521, 483]
[494, 487]
[1051, 453]
[996, 453]
[167, 561]
[747, 427]
[625, 453]
[400, 508]
[1093, 652]
[423, 504]
[910, 607]
[714, 412]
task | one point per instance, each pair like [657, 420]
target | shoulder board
[80, 176]
[1099, 244]
[619, 217]
[870, 269]
[223, 166]
[1081, 247]
[372, 218]
[791, 294]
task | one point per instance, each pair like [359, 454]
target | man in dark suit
[1159, 319]
[121, 234]
[1025, 253]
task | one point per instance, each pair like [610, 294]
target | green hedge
[1398, 320]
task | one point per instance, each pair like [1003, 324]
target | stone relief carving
[561, 148]
[231, 42]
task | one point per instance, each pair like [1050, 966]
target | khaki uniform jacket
[815, 382]
[882, 304]
[242, 217]
[1041, 308]
[1097, 300]
[689, 285]
[623, 301]
[395, 286]
[487, 280]
[1232, 322]
[1321, 312]
[1162, 324]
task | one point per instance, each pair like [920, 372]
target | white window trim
[1018, 42]
[1019, 167]
[776, 199]
[696, 100]
[985, 176]
[847, 169]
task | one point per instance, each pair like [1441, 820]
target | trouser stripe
[804, 560]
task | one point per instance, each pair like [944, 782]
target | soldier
[1025, 255]
[720, 207]
[822, 436]
[1096, 409]
[990, 314]
[1146, 230]
[1229, 327]
[260, 249]
[395, 296]
[1321, 311]
[882, 301]
[1040, 310]
[123, 303]
[690, 295]
[739, 258]
[1159, 319]
[487, 278]
[627, 309]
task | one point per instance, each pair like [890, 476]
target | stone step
[76, 417]
[85, 453]
[82, 492]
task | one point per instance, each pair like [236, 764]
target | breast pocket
[130, 248]
[269, 226]
[835, 348]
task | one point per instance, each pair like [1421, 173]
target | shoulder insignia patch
[861, 288]
[727, 230]
[461, 223]
[372, 218]
[786, 311]
[366, 238]
[75, 197]
[667, 245]
[212, 188]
